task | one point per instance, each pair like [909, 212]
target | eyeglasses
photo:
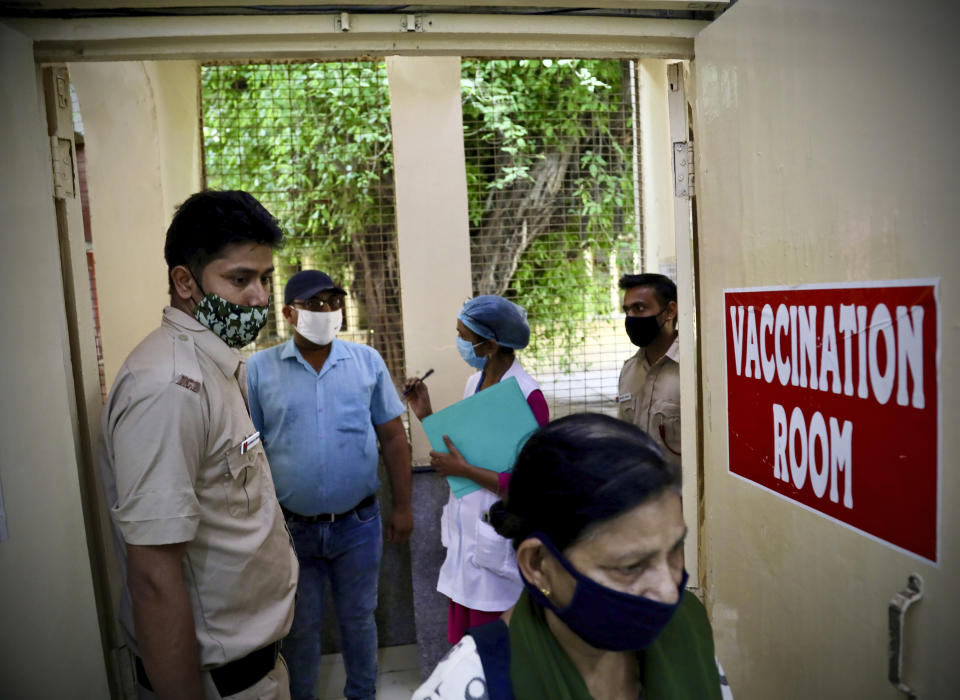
[317, 304]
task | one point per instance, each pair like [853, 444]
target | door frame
[211, 39]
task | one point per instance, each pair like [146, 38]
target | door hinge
[683, 169]
[64, 170]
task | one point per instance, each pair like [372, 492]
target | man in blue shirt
[320, 405]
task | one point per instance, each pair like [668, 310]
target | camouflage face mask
[236, 325]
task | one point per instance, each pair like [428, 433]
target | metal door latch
[411, 23]
[897, 612]
[61, 154]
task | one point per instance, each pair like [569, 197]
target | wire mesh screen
[312, 142]
[554, 216]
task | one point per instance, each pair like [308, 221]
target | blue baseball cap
[307, 283]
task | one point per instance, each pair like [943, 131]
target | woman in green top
[594, 515]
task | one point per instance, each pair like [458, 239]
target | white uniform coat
[480, 571]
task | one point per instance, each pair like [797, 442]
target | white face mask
[319, 327]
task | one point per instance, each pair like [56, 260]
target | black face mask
[642, 329]
[606, 618]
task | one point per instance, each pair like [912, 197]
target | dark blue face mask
[605, 618]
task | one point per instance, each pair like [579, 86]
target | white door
[827, 156]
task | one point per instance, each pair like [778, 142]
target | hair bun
[506, 524]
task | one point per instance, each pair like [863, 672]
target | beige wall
[141, 127]
[656, 167]
[432, 230]
[827, 153]
[50, 645]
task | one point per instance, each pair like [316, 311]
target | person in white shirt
[479, 574]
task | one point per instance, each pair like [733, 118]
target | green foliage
[313, 142]
[515, 114]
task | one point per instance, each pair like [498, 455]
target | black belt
[327, 517]
[234, 676]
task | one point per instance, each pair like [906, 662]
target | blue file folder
[488, 428]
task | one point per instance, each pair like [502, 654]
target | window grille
[553, 198]
[312, 142]
[554, 213]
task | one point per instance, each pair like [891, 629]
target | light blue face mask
[468, 353]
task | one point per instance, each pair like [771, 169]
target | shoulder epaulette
[186, 367]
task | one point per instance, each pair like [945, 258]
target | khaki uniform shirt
[181, 463]
[649, 397]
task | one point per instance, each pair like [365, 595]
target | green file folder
[488, 428]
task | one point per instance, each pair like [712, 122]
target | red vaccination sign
[833, 403]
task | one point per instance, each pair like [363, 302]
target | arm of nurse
[418, 397]
[454, 464]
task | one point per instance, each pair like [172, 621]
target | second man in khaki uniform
[649, 387]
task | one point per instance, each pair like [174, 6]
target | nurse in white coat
[479, 574]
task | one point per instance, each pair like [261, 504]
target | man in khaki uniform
[649, 390]
[209, 568]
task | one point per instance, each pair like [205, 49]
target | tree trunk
[515, 216]
[377, 286]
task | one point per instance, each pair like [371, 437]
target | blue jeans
[348, 551]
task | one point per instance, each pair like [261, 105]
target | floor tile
[398, 658]
[398, 685]
[399, 674]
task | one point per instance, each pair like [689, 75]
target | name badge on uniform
[249, 442]
[188, 383]
[623, 397]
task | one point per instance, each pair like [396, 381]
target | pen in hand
[420, 380]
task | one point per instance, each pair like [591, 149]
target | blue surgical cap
[494, 317]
